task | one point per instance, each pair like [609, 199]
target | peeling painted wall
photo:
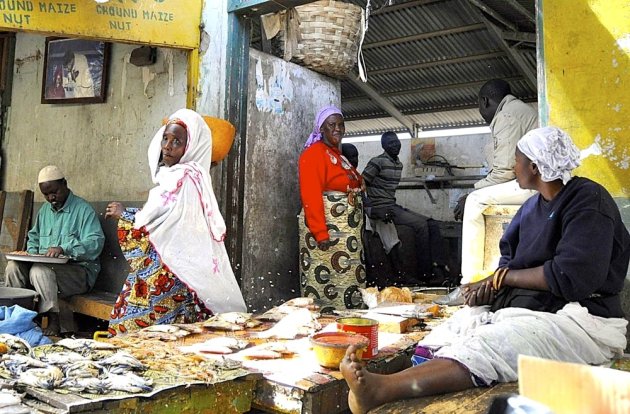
[586, 55]
[212, 71]
[283, 101]
[101, 147]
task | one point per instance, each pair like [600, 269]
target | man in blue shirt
[66, 227]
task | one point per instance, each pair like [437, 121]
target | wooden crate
[496, 219]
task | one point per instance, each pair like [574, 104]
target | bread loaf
[394, 294]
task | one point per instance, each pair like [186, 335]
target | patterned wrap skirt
[334, 276]
[152, 294]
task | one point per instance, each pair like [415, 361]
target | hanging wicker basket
[328, 37]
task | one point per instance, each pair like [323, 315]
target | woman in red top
[330, 253]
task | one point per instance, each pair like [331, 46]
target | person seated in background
[382, 176]
[509, 119]
[66, 225]
[351, 153]
[555, 294]
[331, 264]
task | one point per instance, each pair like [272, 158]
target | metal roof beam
[424, 65]
[427, 35]
[515, 57]
[489, 11]
[413, 112]
[519, 36]
[434, 88]
[423, 111]
[402, 6]
[260, 7]
[522, 10]
[383, 103]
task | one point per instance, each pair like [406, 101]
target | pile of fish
[231, 321]
[14, 345]
[296, 317]
[269, 350]
[170, 332]
[77, 365]
[171, 364]
[221, 345]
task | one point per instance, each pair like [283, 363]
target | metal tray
[37, 258]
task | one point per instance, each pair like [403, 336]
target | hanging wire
[437, 160]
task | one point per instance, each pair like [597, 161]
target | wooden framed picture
[75, 71]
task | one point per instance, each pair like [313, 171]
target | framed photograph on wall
[75, 71]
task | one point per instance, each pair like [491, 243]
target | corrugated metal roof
[426, 121]
[428, 58]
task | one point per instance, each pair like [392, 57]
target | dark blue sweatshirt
[580, 240]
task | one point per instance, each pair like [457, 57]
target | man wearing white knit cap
[66, 227]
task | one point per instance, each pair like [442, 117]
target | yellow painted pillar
[585, 68]
[192, 79]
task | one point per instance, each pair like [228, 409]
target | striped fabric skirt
[334, 276]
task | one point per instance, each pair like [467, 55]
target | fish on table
[47, 378]
[128, 382]
[16, 345]
[85, 384]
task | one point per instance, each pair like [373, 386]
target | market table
[301, 386]
[298, 384]
[316, 390]
[293, 384]
[234, 396]
[472, 401]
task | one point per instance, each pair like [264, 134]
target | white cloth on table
[488, 343]
[474, 227]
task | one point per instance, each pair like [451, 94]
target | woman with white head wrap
[566, 243]
[555, 294]
[174, 244]
[552, 150]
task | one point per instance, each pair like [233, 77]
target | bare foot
[53, 328]
[363, 390]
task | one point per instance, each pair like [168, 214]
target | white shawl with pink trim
[183, 219]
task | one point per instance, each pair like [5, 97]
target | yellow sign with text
[172, 23]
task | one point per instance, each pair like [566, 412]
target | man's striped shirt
[382, 175]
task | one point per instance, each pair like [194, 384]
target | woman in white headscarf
[555, 294]
[180, 271]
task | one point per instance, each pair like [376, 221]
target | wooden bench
[97, 304]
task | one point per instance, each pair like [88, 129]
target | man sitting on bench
[66, 225]
[382, 175]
